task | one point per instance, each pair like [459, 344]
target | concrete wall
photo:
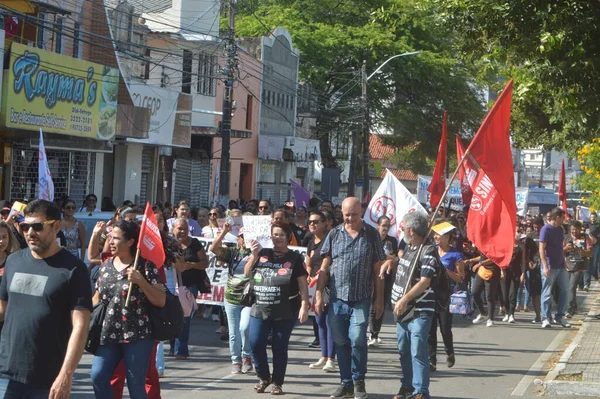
[127, 180]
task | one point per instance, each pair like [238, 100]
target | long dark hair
[131, 230]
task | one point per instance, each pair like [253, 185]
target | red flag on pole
[150, 243]
[562, 189]
[438, 181]
[492, 217]
[467, 172]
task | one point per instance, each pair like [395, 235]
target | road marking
[216, 382]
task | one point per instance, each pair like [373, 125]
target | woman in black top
[193, 276]
[510, 279]
[127, 330]
[317, 224]
[8, 244]
[281, 298]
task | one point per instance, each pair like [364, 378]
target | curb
[553, 387]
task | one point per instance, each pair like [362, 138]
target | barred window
[207, 70]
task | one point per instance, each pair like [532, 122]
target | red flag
[562, 189]
[492, 217]
[150, 243]
[438, 181]
[467, 172]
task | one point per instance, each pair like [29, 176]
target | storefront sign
[59, 94]
[170, 115]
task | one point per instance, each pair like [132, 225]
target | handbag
[461, 302]
[168, 321]
[186, 298]
[95, 328]
[247, 298]
[484, 273]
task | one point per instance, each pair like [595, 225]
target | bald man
[352, 256]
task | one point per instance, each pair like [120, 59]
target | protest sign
[453, 199]
[521, 194]
[257, 228]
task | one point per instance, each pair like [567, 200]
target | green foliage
[589, 157]
[409, 95]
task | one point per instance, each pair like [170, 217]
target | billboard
[59, 94]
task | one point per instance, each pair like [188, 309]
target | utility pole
[231, 50]
[352, 171]
[366, 131]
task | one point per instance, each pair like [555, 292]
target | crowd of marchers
[432, 274]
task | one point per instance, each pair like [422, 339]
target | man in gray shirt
[352, 257]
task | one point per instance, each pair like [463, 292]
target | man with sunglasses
[264, 207]
[45, 302]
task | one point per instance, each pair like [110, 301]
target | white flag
[46, 185]
[393, 200]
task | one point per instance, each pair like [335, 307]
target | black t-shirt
[41, 293]
[390, 246]
[307, 237]
[313, 251]
[194, 276]
[19, 237]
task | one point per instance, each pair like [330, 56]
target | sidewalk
[578, 371]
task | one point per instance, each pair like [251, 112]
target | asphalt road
[496, 362]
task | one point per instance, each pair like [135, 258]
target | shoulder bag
[96, 322]
[168, 321]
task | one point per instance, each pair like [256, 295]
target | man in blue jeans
[554, 270]
[352, 256]
[414, 309]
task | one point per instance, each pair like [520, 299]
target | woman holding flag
[127, 329]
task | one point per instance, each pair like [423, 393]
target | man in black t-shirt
[45, 302]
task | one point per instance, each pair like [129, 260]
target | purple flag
[301, 195]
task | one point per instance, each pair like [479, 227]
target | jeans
[414, 359]
[574, 279]
[490, 287]
[238, 318]
[259, 335]
[348, 322]
[592, 270]
[160, 357]
[181, 343]
[10, 389]
[325, 335]
[560, 278]
[509, 286]
[136, 356]
[524, 291]
[444, 319]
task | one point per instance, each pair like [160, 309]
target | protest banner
[521, 194]
[257, 228]
[453, 199]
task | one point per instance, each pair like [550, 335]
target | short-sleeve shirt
[313, 251]
[194, 276]
[428, 266]
[553, 237]
[449, 261]
[125, 324]
[352, 260]
[193, 226]
[41, 293]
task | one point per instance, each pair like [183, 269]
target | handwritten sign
[257, 228]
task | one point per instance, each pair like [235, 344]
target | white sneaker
[546, 323]
[373, 342]
[511, 319]
[215, 317]
[379, 341]
[490, 323]
[505, 318]
[318, 365]
[330, 367]
[479, 319]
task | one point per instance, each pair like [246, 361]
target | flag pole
[448, 186]
[137, 258]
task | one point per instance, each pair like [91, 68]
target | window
[58, 38]
[207, 81]
[268, 97]
[186, 79]
[147, 67]
[77, 40]
[41, 31]
[249, 109]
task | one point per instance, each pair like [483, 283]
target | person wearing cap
[238, 316]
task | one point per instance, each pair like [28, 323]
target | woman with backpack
[452, 260]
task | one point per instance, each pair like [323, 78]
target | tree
[410, 94]
[551, 50]
[589, 158]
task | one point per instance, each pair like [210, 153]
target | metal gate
[73, 173]
[146, 175]
[191, 181]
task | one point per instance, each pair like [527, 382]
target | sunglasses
[315, 221]
[213, 214]
[39, 226]
[70, 208]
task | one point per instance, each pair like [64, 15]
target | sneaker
[586, 288]
[373, 342]
[568, 315]
[343, 391]
[330, 366]
[546, 323]
[479, 319]
[236, 368]
[505, 318]
[319, 364]
[511, 319]
[450, 360]
[502, 312]
[432, 367]
[315, 344]
[404, 393]
[490, 323]
[535, 321]
[379, 341]
[359, 390]
[215, 317]
[247, 366]
[563, 322]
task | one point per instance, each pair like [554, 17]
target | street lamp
[366, 126]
